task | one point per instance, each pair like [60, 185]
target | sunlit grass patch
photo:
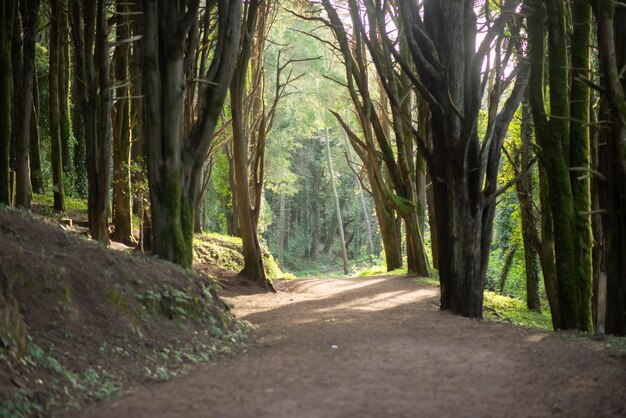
[504, 308]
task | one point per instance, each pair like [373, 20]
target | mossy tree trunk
[122, 199]
[443, 62]
[331, 176]
[563, 137]
[64, 99]
[29, 12]
[174, 160]
[612, 161]
[524, 190]
[56, 152]
[36, 175]
[90, 32]
[7, 15]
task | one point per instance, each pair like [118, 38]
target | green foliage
[381, 270]
[46, 201]
[225, 251]
[504, 308]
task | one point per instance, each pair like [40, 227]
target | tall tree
[174, 159]
[90, 33]
[397, 182]
[331, 176]
[612, 161]
[56, 152]
[122, 199]
[7, 15]
[445, 64]
[29, 11]
[252, 121]
[563, 138]
[36, 175]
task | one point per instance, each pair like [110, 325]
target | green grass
[381, 270]
[71, 204]
[504, 308]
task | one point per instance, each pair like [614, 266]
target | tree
[90, 33]
[396, 184]
[29, 11]
[122, 199]
[612, 163]
[331, 176]
[57, 8]
[174, 159]
[563, 138]
[442, 48]
[7, 15]
[252, 121]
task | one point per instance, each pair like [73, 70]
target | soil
[86, 311]
[372, 347]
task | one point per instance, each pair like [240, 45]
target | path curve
[379, 347]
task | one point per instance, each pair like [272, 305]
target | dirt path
[379, 347]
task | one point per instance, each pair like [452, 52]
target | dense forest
[482, 143]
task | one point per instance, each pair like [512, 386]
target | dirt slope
[373, 347]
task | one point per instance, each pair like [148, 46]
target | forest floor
[379, 346]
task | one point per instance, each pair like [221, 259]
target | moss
[504, 308]
[47, 201]
[225, 251]
[382, 270]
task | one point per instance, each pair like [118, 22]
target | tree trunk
[564, 142]
[80, 147]
[248, 198]
[331, 175]
[64, 97]
[174, 160]
[524, 190]
[56, 155]
[281, 228]
[36, 176]
[232, 212]
[122, 194]
[29, 12]
[367, 221]
[546, 250]
[612, 162]
[7, 14]
[506, 268]
[432, 223]
[90, 33]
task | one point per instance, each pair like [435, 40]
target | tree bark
[524, 190]
[506, 268]
[612, 164]
[56, 156]
[564, 142]
[90, 33]
[174, 160]
[122, 194]
[331, 175]
[64, 97]
[29, 13]
[36, 176]
[7, 14]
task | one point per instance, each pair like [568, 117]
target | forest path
[380, 347]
